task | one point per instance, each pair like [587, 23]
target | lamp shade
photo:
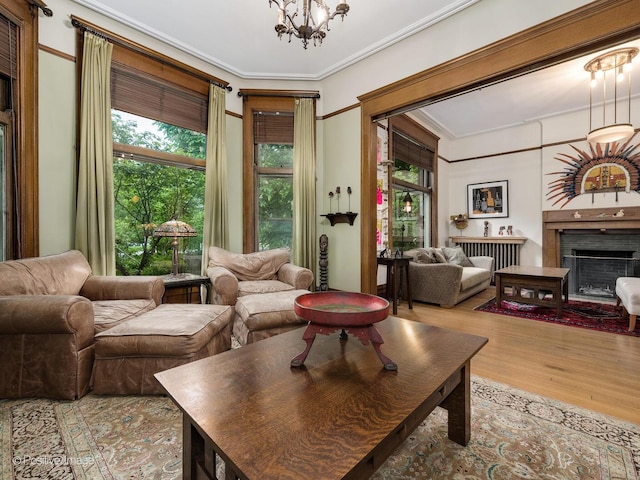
[174, 228]
[611, 133]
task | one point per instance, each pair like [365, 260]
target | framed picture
[488, 200]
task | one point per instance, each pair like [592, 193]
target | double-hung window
[273, 150]
[413, 155]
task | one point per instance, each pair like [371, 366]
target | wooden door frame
[599, 24]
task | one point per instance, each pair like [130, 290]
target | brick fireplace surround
[556, 223]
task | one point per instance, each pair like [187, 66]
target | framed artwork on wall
[488, 200]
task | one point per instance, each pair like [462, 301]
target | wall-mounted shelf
[334, 218]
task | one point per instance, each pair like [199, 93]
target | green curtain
[304, 185]
[95, 232]
[216, 194]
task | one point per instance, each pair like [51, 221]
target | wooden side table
[186, 284]
[394, 264]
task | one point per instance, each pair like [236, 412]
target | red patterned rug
[603, 317]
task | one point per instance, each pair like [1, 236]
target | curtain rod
[42, 6]
[87, 27]
[278, 93]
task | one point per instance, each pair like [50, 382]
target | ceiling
[223, 34]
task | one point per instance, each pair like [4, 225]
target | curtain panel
[304, 185]
[95, 231]
[216, 194]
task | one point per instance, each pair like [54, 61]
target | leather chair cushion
[170, 330]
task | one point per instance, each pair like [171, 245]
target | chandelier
[617, 62]
[312, 23]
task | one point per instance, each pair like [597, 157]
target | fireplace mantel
[555, 223]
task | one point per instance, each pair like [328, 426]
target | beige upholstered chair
[235, 275]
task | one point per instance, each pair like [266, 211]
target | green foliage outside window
[275, 197]
[148, 194]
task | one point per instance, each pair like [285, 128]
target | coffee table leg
[499, 291]
[376, 341]
[458, 405]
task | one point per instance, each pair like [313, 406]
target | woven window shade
[139, 93]
[8, 45]
[273, 128]
[409, 151]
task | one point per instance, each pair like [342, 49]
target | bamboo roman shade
[269, 127]
[140, 93]
[409, 151]
[8, 46]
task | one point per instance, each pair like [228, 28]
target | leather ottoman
[128, 355]
[264, 315]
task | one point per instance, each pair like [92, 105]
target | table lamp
[174, 228]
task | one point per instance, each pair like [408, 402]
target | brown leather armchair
[47, 321]
[235, 275]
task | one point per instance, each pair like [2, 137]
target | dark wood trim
[249, 181]
[339, 112]
[26, 241]
[556, 223]
[56, 53]
[587, 29]
[136, 49]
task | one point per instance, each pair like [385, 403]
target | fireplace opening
[593, 272]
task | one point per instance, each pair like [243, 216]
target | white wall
[341, 165]
[57, 165]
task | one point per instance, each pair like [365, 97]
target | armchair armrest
[485, 262]
[47, 315]
[224, 286]
[106, 287]
[298, 277]
[435, 282]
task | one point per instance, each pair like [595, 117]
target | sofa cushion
[262, 286]
[109, 313]
[456, 256]
[250, 266]
[61, 274]
[472, 276]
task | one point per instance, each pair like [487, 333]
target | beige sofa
[446, 276]
[236, 275]
[51, 308]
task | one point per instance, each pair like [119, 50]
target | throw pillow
[456, 256]
[424, 256]
[438, 254]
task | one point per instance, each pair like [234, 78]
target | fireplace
[594, 272]
[597, 245]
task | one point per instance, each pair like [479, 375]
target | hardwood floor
[595, 370]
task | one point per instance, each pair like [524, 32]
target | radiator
[505, 251]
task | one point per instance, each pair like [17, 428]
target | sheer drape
[304, 185]
[95, 233]
[216, 209]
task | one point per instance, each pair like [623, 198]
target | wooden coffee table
[339, 416]
[544, 286]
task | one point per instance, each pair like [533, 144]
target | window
[19, 232]
[158, 175]
[268, 172]
[413, 156]
[159, 119]
[273, 134]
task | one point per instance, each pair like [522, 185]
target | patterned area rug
[603, 317]
[515, 435]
